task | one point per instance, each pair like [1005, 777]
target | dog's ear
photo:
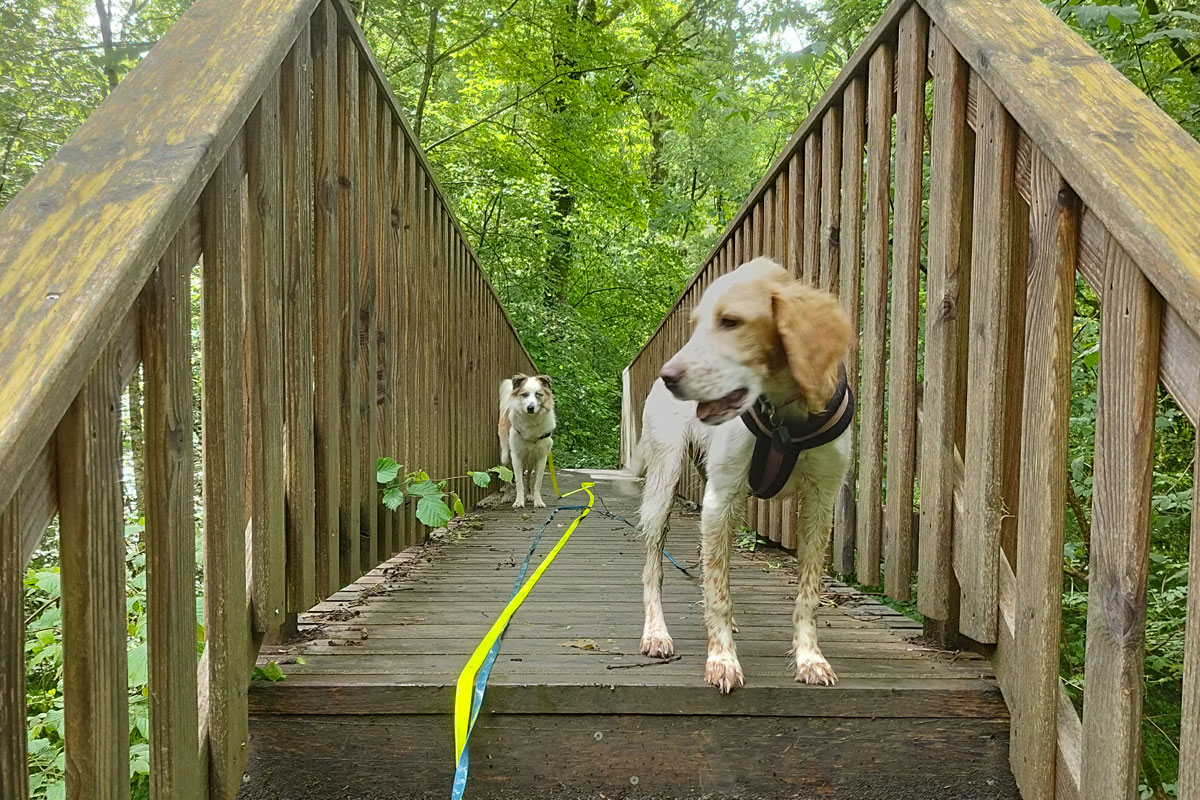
[519, 379]
[815, 334]
[545, 381]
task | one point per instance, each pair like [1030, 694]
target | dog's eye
[729, 322]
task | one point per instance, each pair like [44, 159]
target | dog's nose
[671, 376]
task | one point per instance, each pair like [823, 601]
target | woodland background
[593, 151]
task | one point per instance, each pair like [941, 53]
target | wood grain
[14, 760]
[1189, 727]
[1054, 234]
[1124, 464]
[92, 557]
[348, 188]
[875, 282]
[911, 57]
[795, 226]
[945, 303]
[811, 244]
[831, 199]
[367, 321]
[987, 370]
[175, 770]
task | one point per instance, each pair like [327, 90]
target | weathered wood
[349, 188]
[795, 228]
[226, 610]
[366, 320]
[811, 244]
[78, 243]
[831, 200]
[92, 558]
[1054, 234]
[298, 318]
[1189, 724]
[327, 345]
[987, 370]
[1112, 702]
[944, 305]
[879, 145]
[911, 57]
[849, 289]
[263, 282]
[14, 782]
[175, 770]
[1083, 117]
[386, 280]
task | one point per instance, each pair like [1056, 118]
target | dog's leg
[538, 476]
[503, 437]
[815, 522]
[663, 466]
[518, 476]
[718, 519]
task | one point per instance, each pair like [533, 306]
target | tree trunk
[110, 68]
[427, 72]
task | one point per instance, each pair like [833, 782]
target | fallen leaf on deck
[581, 644]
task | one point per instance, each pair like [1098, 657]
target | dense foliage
[593, 150]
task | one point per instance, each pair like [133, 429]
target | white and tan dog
[758, 333]
[526, 425]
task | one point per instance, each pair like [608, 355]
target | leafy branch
[435, 504]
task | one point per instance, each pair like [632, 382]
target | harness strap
[777, 446]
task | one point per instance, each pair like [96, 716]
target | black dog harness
[777, 446]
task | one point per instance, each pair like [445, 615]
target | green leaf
[49, 582]
[482, 479]
[1176, 34]
[504, 473]
[138, 665]
[433, 511]
[56, 791]
[139, 759]
[424, 488]
[393, 498]
[269, 672]
[386, 470]
[458, 506]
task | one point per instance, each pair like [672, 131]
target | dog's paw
[815, 671]
[658, 644]
[519, 502]
[538, 503]
[724, 672]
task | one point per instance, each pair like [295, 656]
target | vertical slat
[781, 225]
[975, 554]
[175, 770]
[398, 267]
[879, 146]
[795, 229]
[92, 557]
[327, 346]
[911, 58]
[755, 218]
[1054, 228]
[945, 304]
[14, 780]
[264, 284]
[348, 251]
[368, 211]
[1189, 727]
[226, 610]
[1124, 467]
[298, 317]
[831, 186]
[812, 209]
[770, 248]
[385, 283]
[411, 364]
[850, 286]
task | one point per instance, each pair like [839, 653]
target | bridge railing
[343, 316]
[1041, 162]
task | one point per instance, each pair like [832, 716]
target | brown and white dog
[526, 424]
[758, 333]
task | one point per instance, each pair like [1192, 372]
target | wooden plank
[1082, 118]
[811, 245]
[298, 318]
[911, 56]
[945, 304]
[850, 253]
[175, 770]
[14, 781]
[366, 319]
[770, 220]
[987, 370]
[795, 228]
[1124, 463]
[1189, 725]
[831, 200]
[348, 256]
[386, 281]
[78, 243]
[879, 146]
[264, 296]
[226, 610]
[1054, 233]
[327, 345]
[92, 558]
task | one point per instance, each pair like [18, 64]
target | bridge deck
[374, 680]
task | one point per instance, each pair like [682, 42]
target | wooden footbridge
[977, 146]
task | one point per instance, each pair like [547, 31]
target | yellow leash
[553, 477]
[465, 689]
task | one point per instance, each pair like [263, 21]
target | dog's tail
[505, 392]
